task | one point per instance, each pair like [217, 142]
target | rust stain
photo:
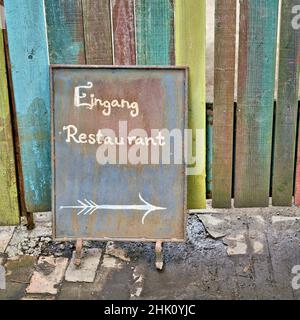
[160, 94]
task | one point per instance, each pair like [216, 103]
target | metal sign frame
[53, 155]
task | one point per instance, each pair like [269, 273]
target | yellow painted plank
[190, 51]
[9, 207]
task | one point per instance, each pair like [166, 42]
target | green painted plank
[286, 108]
[190, 50]
[256, 79]
[154, 32]
[97, 31]
[30, 77]
[9, 209]
[65, 31]
[224, 71]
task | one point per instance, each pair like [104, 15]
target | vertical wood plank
[297, 171]
[123, 32]
[65, 31]
[224, 71]
[97, 31]
[297, 167]
[256, 79]
[286, 108]
[154, 32]
[9, 209]
[30, 77]
[190, 50]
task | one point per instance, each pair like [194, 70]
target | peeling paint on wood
[154, 32]
[224, 70]
[30, 76]
[97, 31]
[256, 80]
[286, 109]
[123, 32]
[65, 31]
[9, 209]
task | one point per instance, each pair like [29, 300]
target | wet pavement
[229, 254]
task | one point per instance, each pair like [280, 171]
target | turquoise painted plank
[30, 75]
[65, 31]
[256, 80]
[155, 32]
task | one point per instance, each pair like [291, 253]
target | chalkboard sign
[118, 152]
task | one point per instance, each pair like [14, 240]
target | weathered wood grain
[9, 209]
[297, 175]
[286, 108]
[297, 167]
[123, 32]
[30, 77]
[97, 31]
[256, 79]
[190, 50]
[225, 39]
[65, 31]
[154, 32]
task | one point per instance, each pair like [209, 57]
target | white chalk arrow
[89, 207]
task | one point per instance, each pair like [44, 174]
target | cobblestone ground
[229, 254]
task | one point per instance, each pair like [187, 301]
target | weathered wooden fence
[254, 144]
[251, 144]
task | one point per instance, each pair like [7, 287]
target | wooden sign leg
[159, 263]
[78, 253]
[30, 221]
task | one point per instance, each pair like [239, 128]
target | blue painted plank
[30, 74]
[65, 31]
[256, 80]
[155, 32]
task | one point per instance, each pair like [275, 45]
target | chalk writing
[107, 105]
[100, 138]
[89, 207]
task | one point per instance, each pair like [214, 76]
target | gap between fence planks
[9, 209]
[209, 149]
[256, 79]
[224, 71]
[30, 77]
[286, 110]
[190, 50]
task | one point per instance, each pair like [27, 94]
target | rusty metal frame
[128, 239]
